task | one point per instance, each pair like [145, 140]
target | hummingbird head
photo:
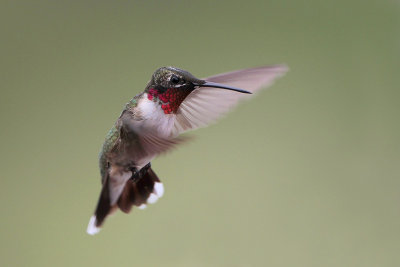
[169, 86]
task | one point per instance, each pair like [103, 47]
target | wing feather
[206, 104]
[146, 144]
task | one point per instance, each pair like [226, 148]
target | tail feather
[103, 206]
[138, 191]
[124, 202]
[144, 188]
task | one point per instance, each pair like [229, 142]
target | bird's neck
[170, 99]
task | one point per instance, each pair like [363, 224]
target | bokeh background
[305, 174]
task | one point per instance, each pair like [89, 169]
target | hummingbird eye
[174, 79]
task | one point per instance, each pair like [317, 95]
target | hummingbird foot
[138, 174]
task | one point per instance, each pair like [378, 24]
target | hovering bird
[173, 102]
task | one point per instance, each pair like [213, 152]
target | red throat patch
[171, 98]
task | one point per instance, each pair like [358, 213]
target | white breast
[155, 120]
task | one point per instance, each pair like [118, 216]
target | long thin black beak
[223, 86]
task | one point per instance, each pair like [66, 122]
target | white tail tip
[142, 207]
[158, 192]
[152, 198]
[159, 189]
[92, 229]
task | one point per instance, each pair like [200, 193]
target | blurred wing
[148, 145]
[206, 104]
[154, 145]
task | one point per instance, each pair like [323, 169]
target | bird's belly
[130, 158]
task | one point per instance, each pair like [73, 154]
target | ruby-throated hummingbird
[173, 102]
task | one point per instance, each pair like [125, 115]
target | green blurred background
[305, 174]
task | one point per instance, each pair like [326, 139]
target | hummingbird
[173, 102]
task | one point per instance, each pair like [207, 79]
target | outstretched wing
[206, 104]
